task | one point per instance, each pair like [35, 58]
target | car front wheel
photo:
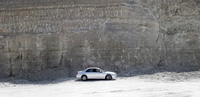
[108, 77]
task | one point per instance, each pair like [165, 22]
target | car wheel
[84, 78]
[108, 77]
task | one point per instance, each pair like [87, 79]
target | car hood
[109, 72]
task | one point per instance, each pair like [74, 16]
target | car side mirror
[100, 71]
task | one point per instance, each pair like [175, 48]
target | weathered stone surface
[127, 36]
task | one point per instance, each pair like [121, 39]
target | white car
[95, 73]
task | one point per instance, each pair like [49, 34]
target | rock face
[58, 37]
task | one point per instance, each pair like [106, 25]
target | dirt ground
[166, 84]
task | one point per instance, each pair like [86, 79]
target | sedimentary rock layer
[123, 36]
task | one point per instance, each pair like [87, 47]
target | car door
[98, 74]
[90, 73]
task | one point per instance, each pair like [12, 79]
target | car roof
[93, 68]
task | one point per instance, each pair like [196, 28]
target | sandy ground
[156, 85]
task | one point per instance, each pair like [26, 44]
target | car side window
[89, 70]
[97, 70]
[93, 70]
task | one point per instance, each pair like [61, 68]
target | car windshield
[102, 70]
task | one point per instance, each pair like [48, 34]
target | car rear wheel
[84, 78]
[108, 77]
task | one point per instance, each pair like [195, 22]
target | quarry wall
[57, 38]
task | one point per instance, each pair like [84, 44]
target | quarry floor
[166, 84]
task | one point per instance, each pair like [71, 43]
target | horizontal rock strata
[58, 37]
